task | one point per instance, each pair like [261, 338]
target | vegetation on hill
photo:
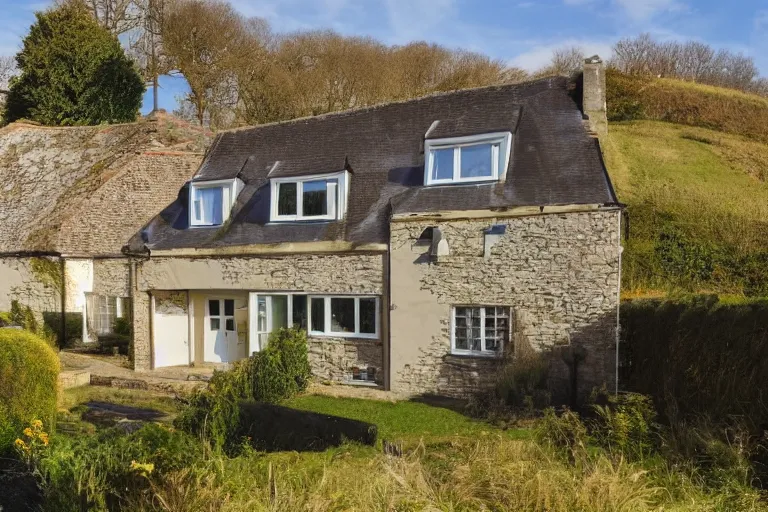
[73, 72]
[690, 161]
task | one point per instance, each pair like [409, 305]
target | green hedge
[698, 356]
[29, 371]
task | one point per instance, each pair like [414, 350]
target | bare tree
[146, 44]
[117, 16]
[204, 40]
[7, 70]
[565, 61]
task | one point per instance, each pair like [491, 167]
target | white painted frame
[327, 317]
[337, 195]
[501, 144]
[231, 188]
[482, 352]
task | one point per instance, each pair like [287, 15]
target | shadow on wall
[567, 374]
[698, 356]
[73, 327]
[276, 428]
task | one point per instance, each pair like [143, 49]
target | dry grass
[491, 473]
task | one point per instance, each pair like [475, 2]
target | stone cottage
[69, 199]
[421, 244]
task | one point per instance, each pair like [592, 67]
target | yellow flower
[142, 468]
[44, 438]
[28, 432]
[20, 443]
[37, 424]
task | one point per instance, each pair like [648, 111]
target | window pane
[442, 164]
[230, 324]
[315, 200]
[213, 307]
[229, 307]
[342, 315]
[476, 161]
[300, 311]
[286, 199]
[211, 204]
[476, 339]
[462, 342]
[368, 316]
[215, 324]
[318, 314]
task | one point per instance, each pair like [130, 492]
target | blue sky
[520, 32]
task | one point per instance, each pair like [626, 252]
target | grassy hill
[697, 197]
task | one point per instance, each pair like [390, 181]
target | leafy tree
[73, 72]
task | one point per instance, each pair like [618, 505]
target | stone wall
[111, 276]
[30, 281]
[333, 358]
[558, 273]
[332, 274]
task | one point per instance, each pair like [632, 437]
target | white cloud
[645, 10]
[539, 55]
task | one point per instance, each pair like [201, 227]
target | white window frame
[482, 352]
[501, 144]
[231, 188]
[336, 196]
[327, 318]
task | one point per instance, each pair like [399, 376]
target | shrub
[278, 372]
[565, 433]
[29, 371]
[625, 425]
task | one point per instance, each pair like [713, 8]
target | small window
[480, 330]
[345, 316]
[102, 311]
[311, 198]
[467, 159]
[211, 202]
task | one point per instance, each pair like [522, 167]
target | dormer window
[308, 198]
[210, 202]
[474, 158]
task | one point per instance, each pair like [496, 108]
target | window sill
[361, 383]
[345, 335]
[476, 355]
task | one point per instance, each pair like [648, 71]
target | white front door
[222, 344]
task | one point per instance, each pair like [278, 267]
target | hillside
[698, 208]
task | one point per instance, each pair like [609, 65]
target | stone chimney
[594, 95]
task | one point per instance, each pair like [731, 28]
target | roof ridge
[377, 106]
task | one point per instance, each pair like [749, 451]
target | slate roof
[554, 161]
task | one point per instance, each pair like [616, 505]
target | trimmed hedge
[698, 356]
[29, 373]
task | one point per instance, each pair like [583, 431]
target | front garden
[208, 451]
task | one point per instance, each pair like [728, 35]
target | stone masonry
[558, 273]
[331, 358]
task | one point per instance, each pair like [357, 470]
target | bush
[565, 433]
[29, 371]
[102, 471]
[278, 372]
[625, 425]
